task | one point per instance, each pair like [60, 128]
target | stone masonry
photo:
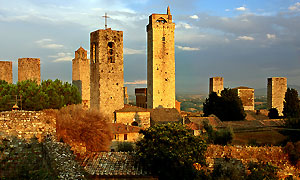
[160, 61]
[81, 75]
[29, 69]
[216, 85]
[107, 79]
[141, 97]
[247, 96]
[277, 86]
[6, 71]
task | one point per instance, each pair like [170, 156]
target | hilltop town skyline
[244, 42]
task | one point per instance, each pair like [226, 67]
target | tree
[228, 107]
[291, 108]
[170, 150]
[273, 113]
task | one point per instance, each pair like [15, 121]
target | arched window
[111, 52]
[161, 20]
[134, 123]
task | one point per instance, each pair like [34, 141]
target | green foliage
[291, 108]
[125, 147]
[170, 150]
[262, 171]
[273, 113]
[31, 96]
[221, 137]
[229, 169]
[228, 107]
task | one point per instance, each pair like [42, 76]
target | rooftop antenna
[105, 16]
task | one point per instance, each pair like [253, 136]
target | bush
[228, 169]
[76, 126]
[221, 137]
[273, 113]
[125, 147]
[293, 150]
[262, 171]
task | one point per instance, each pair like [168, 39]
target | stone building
[107, 79]
[141, 97]
[6, 73]
[216, 85]
[81, 75]
[277, 86]
[126, 97]
[247, 96]
[29, 69]
[160, 61]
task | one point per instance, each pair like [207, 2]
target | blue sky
[245, 41]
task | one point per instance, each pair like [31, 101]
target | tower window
[111, 52]
[163, 38]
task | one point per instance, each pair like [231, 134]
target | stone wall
[247, 97]
[216, 85]
[107, 77]
[277, 86]
[160, 61]
[141, 97]
[29, 69]
[142, 118]
[81, 75]
[6, 73]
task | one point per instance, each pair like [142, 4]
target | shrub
[273, 113]
[228, 169]
[125, 147]
[293, 150]
[87, 127]
[222, 136]
[262, 171]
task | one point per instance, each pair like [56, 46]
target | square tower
[107, 78]
[277, 87]
[216, 85]
[160, 61]
[81, 75]
[141, 97]
[29, 69]
[6, 71]
[247, 97]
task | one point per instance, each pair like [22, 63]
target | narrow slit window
[111, 52]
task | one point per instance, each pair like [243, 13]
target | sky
[244, 41]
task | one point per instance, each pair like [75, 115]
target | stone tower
[277, 86]
[216, 85]
[107, 79]
[81, 75]
[29, 69]
[160, 61]
[6, 71]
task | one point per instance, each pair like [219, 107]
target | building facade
[247, 97]
[277, 87]
[29, 69]
[216, 85]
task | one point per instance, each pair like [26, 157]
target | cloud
[62, 57]
[129, 51]
[47, 43]
[183, 25]
[295, 7]
[194, 17]
[242, 8]
[227, 10]
[137, 82]
[271, 36]
[185, 48]
[246, 38]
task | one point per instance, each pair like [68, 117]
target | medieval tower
[160, 61]
[277, 86]
[6, 71]
[107, 79]
[81, 75]
[216, 85]
[29, 69]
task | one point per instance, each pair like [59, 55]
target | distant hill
[263, 91]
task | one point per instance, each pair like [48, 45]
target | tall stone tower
[160, 61]
[81, 75]
[6, 71]
[29, 69]
[107, 79]
[277, 86]
[216, 85]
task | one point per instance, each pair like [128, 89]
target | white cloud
[185, 48]
[183, 25]
[295, 7]
[271, 36]
[246, 38]
[137, 82]
[227, 10]
[62, 57]
[47, 43]
[194, 17]
[242, 8]
[133, 51]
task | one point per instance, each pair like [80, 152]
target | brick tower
[107, 79]
[81, 75]
[6, 71]
[29, 69]
[160, 61]
[216, 85]
[277, 86]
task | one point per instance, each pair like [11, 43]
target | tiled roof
[130, 108]
[112, 164]
[212, 120]
[194, 126]
[119, 128]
